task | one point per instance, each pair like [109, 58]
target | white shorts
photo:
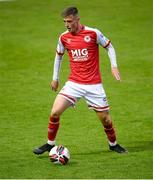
[94, 95]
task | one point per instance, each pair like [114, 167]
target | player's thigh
[60, 105]
[96, 98]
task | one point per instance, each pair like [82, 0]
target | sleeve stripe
[107, 44]
[61, 54]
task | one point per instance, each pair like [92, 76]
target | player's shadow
[137, 146]
[87, 153]
[72, 162]
[140, 146]
[44, 156]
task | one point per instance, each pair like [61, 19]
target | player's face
[71, 23]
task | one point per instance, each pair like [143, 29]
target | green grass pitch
[29, 31]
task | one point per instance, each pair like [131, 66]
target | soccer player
[82, 44]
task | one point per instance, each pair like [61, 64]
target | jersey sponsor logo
[87, 39]
[80, 54]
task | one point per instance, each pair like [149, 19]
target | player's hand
[116, 73]
[54, 85]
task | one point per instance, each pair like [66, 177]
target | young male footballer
[82, 44]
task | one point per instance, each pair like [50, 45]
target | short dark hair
[69, 11]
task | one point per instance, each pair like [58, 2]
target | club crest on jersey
[68, 41]
[87, 39]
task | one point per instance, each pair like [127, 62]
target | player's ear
[77, 18]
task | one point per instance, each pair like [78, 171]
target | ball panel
[59, 155]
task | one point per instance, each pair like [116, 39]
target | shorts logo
[87, 39]
[104, 99]
[80, 54]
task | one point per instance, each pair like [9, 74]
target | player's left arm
[112, 57]
[105, 43]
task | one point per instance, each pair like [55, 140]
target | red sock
[110, 132]
[53, 128]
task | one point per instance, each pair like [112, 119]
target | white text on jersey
[80, 54]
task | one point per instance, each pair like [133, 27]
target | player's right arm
[57, 64]
[56, 71]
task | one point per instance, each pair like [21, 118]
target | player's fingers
[54, 88]
[117, 76]
[51, 87]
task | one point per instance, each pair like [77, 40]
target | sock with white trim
[110, 132]
[52, 130]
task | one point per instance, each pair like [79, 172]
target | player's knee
[105, 117]
[55, 114]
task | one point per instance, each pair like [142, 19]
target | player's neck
[80, 27]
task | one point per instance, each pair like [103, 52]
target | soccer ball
[59, 155]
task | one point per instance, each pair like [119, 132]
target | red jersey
[83, 51]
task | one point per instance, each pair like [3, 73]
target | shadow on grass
[45, 156]
[86, 153]
[42, 156]
[140, 146]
